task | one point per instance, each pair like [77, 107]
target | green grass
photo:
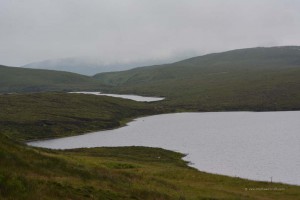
[117, 173]
[49, 115]
[256, 79]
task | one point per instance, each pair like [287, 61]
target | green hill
[244, 79]
[14, 79]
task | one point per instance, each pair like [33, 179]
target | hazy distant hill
[78, 65]
[92, 66]
[245, 79]
[262, 78]
[15, 79]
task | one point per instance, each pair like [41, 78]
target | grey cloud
[133, 30]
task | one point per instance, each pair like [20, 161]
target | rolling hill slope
[14, 79]
[245, 79]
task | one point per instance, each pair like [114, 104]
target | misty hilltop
[94, 65]
[244, 79]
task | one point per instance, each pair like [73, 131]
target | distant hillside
[92, 65]
[254, 78]
[78, 65]
[14, 79]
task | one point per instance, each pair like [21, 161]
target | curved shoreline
[110, 134]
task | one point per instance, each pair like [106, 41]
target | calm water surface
[253, 145]
[125, 96]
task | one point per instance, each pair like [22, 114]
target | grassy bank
[118, 173]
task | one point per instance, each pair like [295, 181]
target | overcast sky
[130, 30]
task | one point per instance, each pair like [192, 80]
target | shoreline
[189, 161]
